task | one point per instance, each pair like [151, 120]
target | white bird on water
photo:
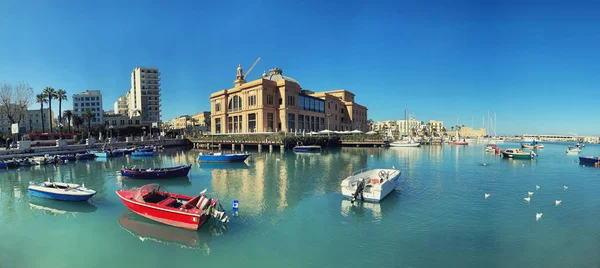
[530, 193]
[538, 216]
[527, 199]
[487, 195]
[557, 202]
[537, 187]
[566, 187]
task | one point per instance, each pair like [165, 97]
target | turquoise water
[293, 215]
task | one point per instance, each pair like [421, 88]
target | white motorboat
[404, 144]
[573, 150]
[370, 184]
[43, 160]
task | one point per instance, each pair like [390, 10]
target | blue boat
[156, 173]
[589, 160]
[3, 165]
[307, 149]
[221, 157]
[61, 191]
[65, 157]
[145, 149]
[84, 156]
[142, 153]
[103, 154]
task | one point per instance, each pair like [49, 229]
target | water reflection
[127, 183]
[52, 207]
[360, 210]
[146, 230]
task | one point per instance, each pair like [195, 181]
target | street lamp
[328, 120]
[144, 129]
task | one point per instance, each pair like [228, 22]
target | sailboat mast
[495, 126]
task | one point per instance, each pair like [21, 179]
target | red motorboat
[190, 212]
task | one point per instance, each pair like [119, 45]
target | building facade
[31, 121]
[144, 95]
[121, 105]
[202, 119]
[181, 122]
[118, 121]
[276, 103]
[88, 100]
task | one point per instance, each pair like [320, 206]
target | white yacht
[370, 184]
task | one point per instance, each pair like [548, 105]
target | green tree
[77, 122]
[50, 93]
[89, 116]
[68, 114]
[61, 95]
[41, 99]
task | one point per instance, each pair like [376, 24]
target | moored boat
[307, 149]
[404, 144]
[142, 153]
[573, 150]
[43, 160]
[67, 157]
[458, 143]
[12, 163]
[370, 184]
[221, 157]
[84, 156]
[189, 212]
[27, 162]
[589, 160]
[518, 154]
[156, 173]
[3, 165]
[61, 191]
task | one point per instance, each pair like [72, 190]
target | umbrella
[371, 133]
[327, 131]
[356, 131]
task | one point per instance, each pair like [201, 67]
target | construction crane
[251, 67]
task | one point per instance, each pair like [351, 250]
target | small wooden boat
[142, 153]
[573, 150]
[61, 191]
[67, 157]
[156, 173]
[458, 143]
[189, 212]
[221, 157]
[307, 149]
[370, 184]
[589, 160]
[518, 154]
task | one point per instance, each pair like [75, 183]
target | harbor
[295, 198]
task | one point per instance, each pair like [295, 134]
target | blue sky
[536, 64]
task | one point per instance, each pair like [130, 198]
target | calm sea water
[293, 215]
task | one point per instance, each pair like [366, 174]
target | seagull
[566, 187]
[557, 202]
[485, 164]
[487, 195]
[537, 187]
[530, 193]
[538, 216]
[527, 199]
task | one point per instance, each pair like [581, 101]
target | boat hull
[61, 197]
[307, 149]
[516, 156]
[142, 154]
[589, 160]
[223, 158]
[372, 196]
[394, 144]
[175, 218]
[458, 143]
[174, 173]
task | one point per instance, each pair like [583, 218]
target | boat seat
[167, 202]
[192, 202]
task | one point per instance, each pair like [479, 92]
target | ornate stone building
[275, 103]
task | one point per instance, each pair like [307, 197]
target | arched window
[235, 103]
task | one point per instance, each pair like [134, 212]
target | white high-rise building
[144, 95]
[121, 105]
[88, 100]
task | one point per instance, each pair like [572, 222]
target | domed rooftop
[276, 74]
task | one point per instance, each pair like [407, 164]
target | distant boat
[3, 165]
[533, 145]
[518, 154]
[458, 143]
[154, 202]
[573, 150]
[307, 149]
[156, 173]
[370, 184]
[221, 157]
[67, 157]
[404, 144]
[142, 153]
[84, 156]
[61, 191]
[589, 160]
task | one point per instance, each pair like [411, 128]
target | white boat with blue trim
[61, 191]
[370, 184]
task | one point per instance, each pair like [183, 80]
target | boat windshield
[148, 190]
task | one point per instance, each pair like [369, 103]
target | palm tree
[69, 116]
[89, 116]
[41, 99]
[50, 93]
[61, 95]
[77, 121]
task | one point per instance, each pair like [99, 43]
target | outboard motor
[359, 190]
